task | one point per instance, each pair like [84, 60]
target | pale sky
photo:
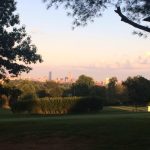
[102, 49]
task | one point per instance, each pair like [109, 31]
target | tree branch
[126, 20]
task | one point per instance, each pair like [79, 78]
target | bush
[60, 105]
[29, 97]
[20, 107]
[87, 104]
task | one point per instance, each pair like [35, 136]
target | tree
[111, 90]
[16, 49]
[9, 94]
[138, 89]
[52, 89]
[82, 86]
[132, 12]
[121, 94]
[98, 91]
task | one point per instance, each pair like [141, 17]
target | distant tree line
[132, 91]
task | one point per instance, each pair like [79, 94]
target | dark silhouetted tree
[138, 89]
[82, 86]
[98, 91]
[121, 94]
[111, 90]
[132, 12]
[16, 50]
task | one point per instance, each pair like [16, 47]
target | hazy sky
[102, 49]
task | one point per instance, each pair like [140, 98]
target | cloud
[139, 63]
[122, 68]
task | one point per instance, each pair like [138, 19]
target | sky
[102, 49]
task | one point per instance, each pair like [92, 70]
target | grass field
[115, 128]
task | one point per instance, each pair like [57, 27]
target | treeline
[132, 91]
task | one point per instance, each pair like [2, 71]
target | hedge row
[59, 105]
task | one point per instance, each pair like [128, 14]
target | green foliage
[82, 86]
[50, 89]
[41, 93]
[29, 97]
[83, 79]
[98, 91]
[87, 104]
[138, 89]
[21, 106]
[10, 92]
[60, 105]
[111, 91]
[122, 94]
[133, 90]
[16, 50]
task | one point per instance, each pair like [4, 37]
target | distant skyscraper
[50, 76]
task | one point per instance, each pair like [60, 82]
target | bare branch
[128, 21]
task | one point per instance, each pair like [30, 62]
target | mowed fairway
[108, 130]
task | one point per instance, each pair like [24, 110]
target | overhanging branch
[128, 21]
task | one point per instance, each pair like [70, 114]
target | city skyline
[97, 50]
[68, 78]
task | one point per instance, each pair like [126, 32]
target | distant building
[68, 79]
[50, 76]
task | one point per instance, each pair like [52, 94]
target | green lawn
[112, 129]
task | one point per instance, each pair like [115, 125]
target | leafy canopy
[133, 12]
[83, 86]
[16, 49]
[138, 89]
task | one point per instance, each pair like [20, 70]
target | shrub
[60, 105]
[28, 97]
[20, 107]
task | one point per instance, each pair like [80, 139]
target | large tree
[138, 89]
[132, 12]
[16, 49]
[111, 90]
[83, 86]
